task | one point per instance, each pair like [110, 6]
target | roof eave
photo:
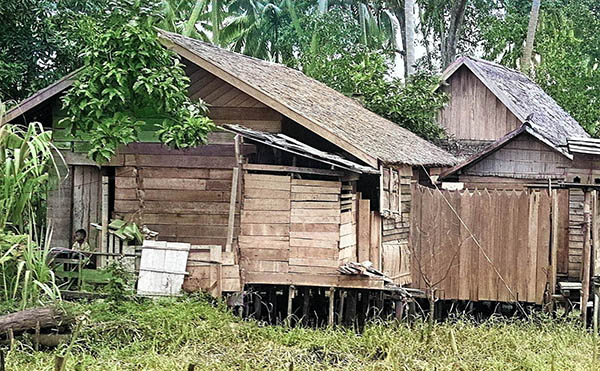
[266, 99]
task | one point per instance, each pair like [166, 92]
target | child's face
[78, 237]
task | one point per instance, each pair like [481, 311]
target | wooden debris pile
[363, 269]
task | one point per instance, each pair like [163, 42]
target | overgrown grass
[169, 334]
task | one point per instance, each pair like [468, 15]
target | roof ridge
[210, 45]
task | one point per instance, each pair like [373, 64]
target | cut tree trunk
[29, 319]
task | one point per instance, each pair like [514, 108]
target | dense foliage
[127, 78]
[325, 39]
[170, 334]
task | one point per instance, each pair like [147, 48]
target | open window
[390, 191]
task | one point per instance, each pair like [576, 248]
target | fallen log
[30, 318]
[46, 340]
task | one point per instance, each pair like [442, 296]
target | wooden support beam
[399, 309]
[293, 169]
[273, 301]
[232, 203]
[585, 274]
[102, 260]
[331, 306]
[554, 245]
[596, 258]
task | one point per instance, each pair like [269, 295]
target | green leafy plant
[120, 283]
[128, 78]
[26, 156]
[27, 278]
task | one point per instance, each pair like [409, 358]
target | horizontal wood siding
[183, 195]
[474, 112]
[228, 104]
[395, 233]
[523, 157]
[290, 232]
[575, 233]
[512, 228]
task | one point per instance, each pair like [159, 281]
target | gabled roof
[332, 115]
[335, 117]
[40, 96]
[495, 146]
[526, 100]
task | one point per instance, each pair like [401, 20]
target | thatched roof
[526, 100]
[312, 104]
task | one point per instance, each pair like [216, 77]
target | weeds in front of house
[168, 334]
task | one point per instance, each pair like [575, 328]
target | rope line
[516, 301]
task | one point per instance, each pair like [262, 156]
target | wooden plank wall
[290, 229]
[60, 202]
[523, 157]
[395, 233]
[575, 233]
[513, 229]
[348, 226]
[183, 195]
[87, 202]
[264, 240]
[228, 104]
[474, 112]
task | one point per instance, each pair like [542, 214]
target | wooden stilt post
[585, 274]
[331, 306]
[399, 309]
[341, 307]
[350, 315]
[305, 305]
[273, 300]
[289, 305]
[257, 306]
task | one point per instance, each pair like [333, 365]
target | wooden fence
[511, 260]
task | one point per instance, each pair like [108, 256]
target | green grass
[169, 334]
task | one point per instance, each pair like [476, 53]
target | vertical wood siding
[513, 229]
[474, 112]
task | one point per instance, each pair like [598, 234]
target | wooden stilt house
[520, 189]
[298, 181]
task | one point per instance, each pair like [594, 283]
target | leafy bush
[128, 78]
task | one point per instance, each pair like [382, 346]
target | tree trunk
[450, 41]
[28, 319]
[528, 49]
[409, 16]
